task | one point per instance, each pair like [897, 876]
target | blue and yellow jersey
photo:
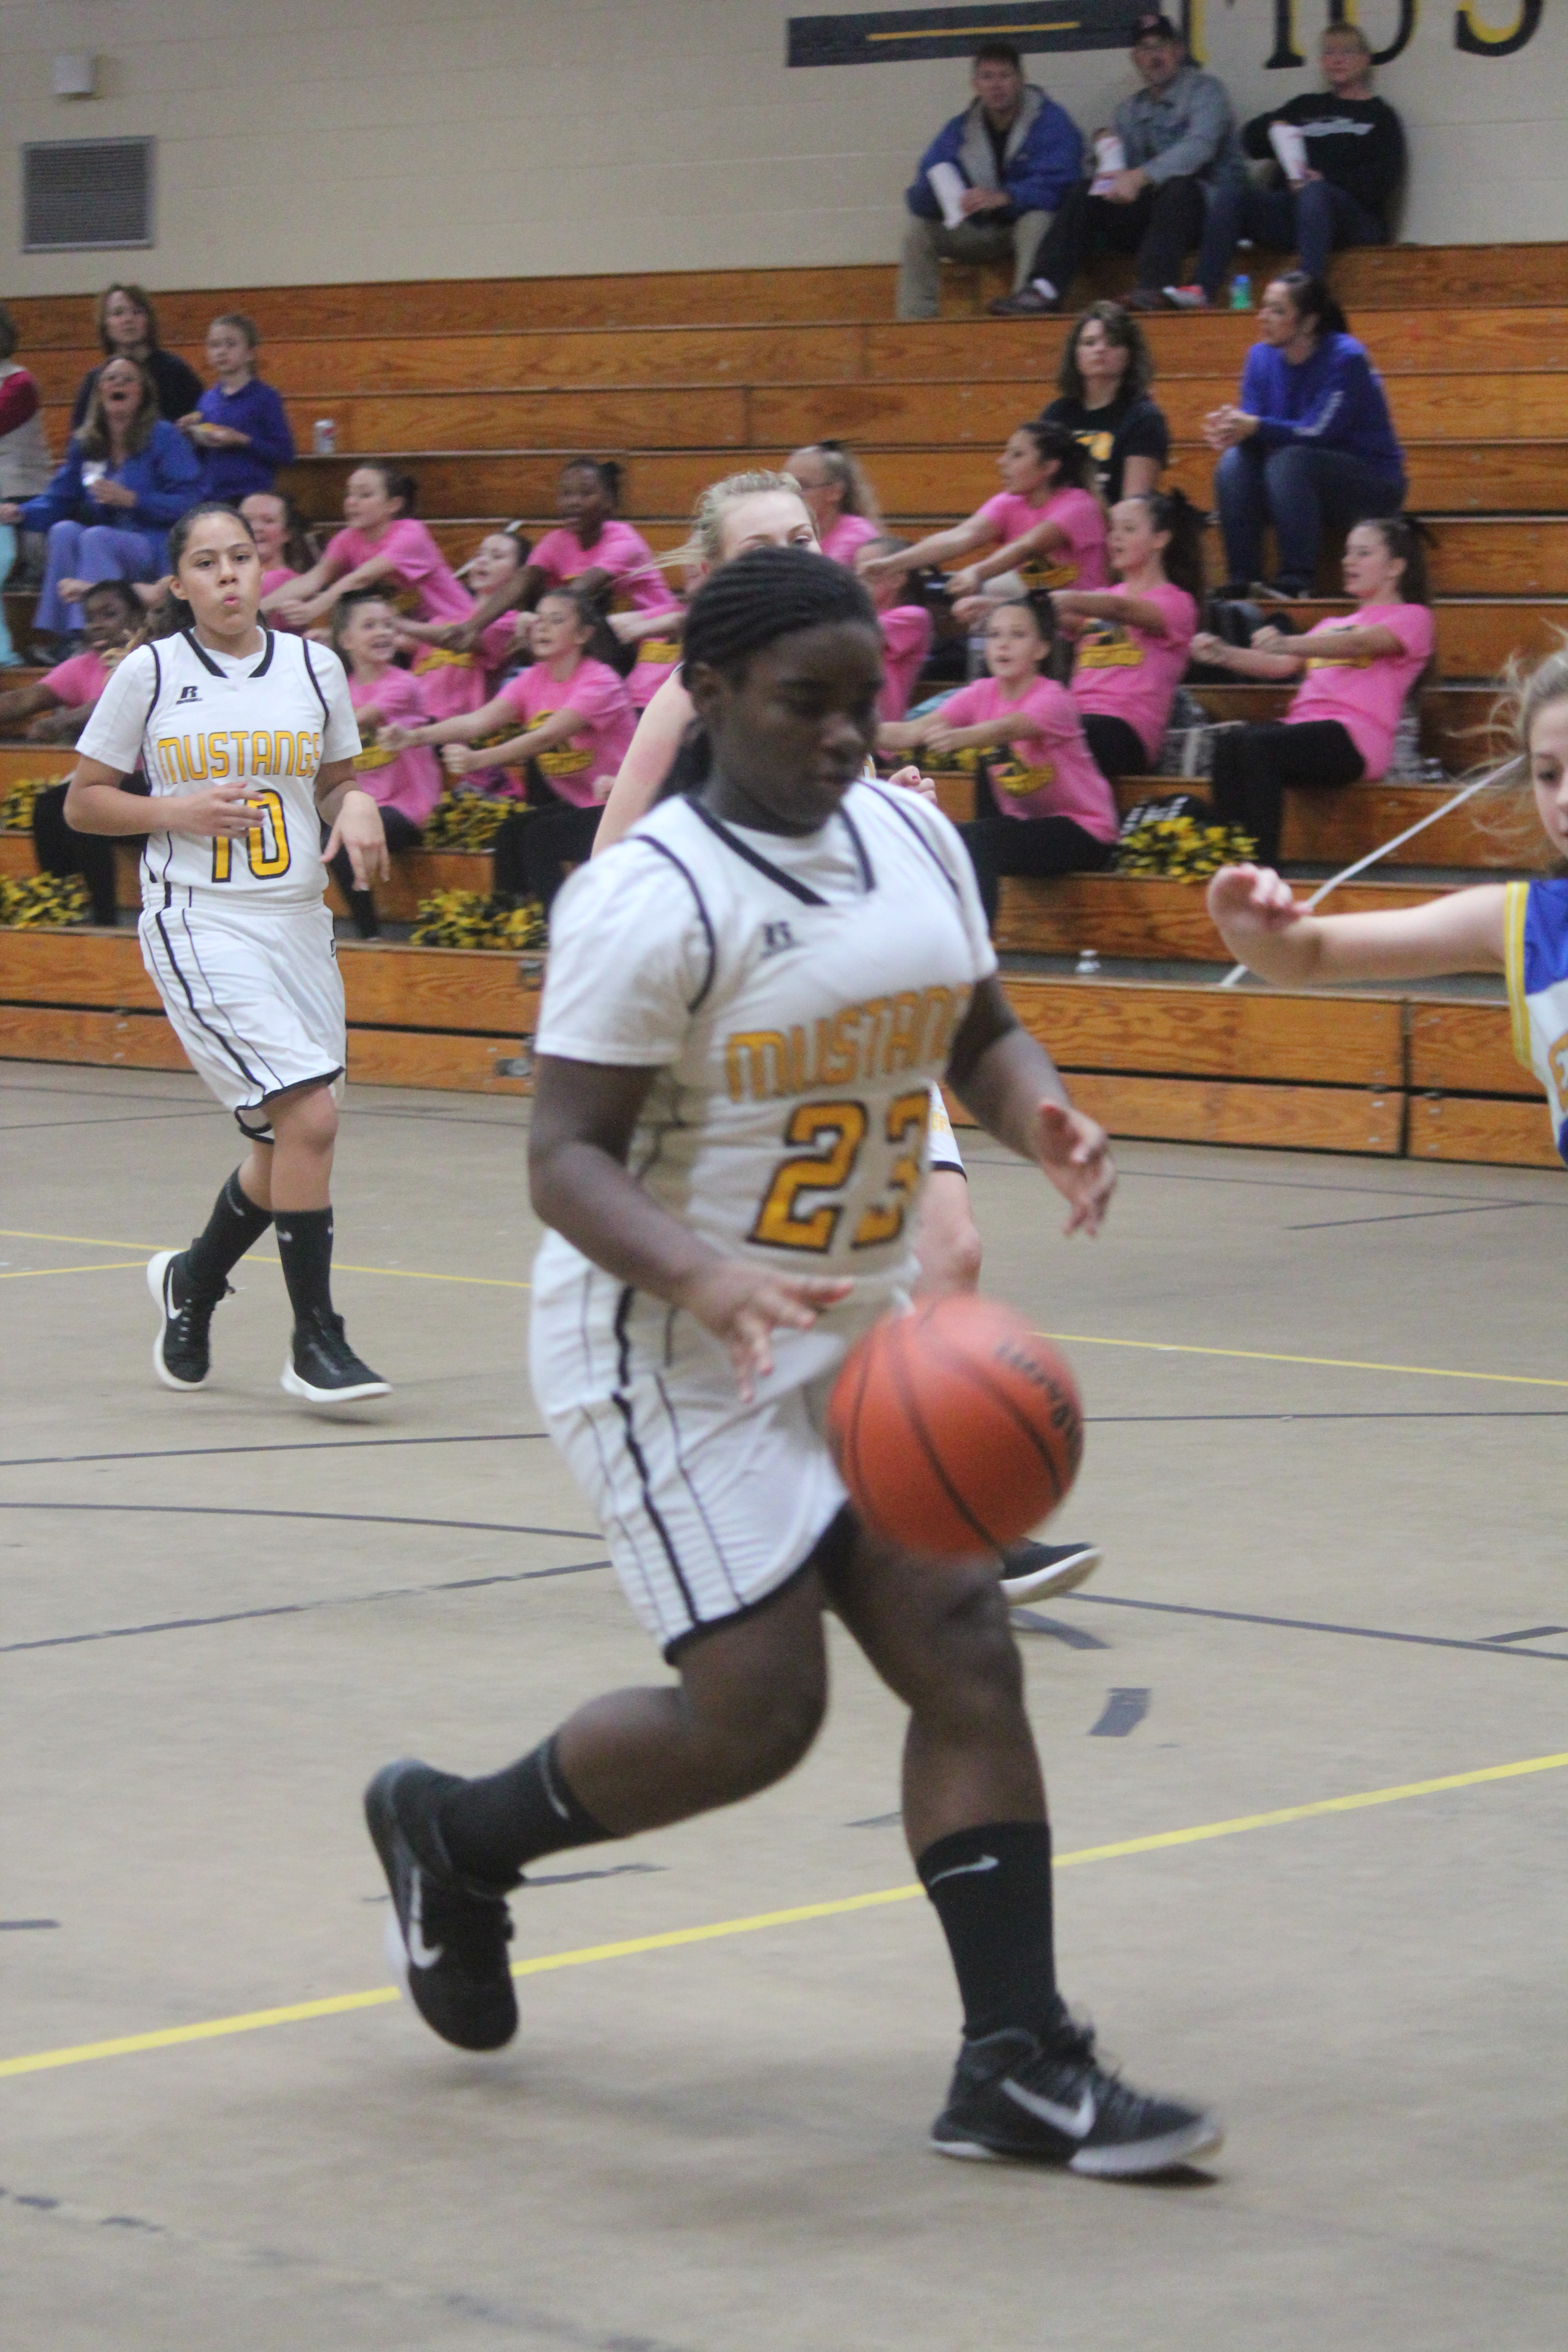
[1536, 935]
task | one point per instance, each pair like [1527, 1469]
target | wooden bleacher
[482, 388]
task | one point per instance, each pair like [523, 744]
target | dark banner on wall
[900, 33]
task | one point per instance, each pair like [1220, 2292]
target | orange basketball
[956, 1429]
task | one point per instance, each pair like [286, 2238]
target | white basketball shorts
[941, 1147]
[708, 1505]
[254, 998]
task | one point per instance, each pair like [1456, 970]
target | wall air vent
[82, 192]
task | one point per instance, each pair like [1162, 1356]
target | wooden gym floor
[1304, 1737]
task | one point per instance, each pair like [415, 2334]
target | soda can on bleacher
[324, 437]
[1241, 293]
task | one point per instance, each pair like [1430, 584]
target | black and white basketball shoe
[1016, 2097]
[446, 1939]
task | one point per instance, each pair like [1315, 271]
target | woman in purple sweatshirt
[1310, 443]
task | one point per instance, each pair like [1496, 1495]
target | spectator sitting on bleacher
[1177, 147]
[381, 546]
[1103, 400]
[239, 423]
[282, 539]
[404, 784]
[590, 549]
[1356, 675]
[1133, 638]
[1041, 805]
[452, 682]
[25, 462]
[127, 475]
[1018, 154]
[906, 630]
[1338, 188]
[1311, 442]
[59, 706]
[127, 327]
[63, 702]
[1044, 523]
[842, 501]
[578, 724]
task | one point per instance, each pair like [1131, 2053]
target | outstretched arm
[1260, 923]
[1014, 1089]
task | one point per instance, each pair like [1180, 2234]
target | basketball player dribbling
[733, 515]
[728, 1139]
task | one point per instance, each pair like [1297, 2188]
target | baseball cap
[1153, 25]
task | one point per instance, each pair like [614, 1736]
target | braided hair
[771, 592]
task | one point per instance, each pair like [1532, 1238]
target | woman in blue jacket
[1310, 444]
[127, 475]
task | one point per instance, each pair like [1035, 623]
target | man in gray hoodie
[1179, 143]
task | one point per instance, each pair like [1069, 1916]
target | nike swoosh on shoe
[1076, 2122]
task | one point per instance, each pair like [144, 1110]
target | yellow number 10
[265, 863]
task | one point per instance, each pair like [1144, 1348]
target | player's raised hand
[744, 1304]
[1075, 1152]
[359, 830]
[223, 812]
[1251, 903]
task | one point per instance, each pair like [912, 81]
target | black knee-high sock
[992, 1889]
[495, 1826]
[305, 1246]
[235, 1225]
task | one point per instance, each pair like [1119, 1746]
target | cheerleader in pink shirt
[1356, 672]
[1042, 807]
[282, 540]
[404, 784]
[454, 679]
[842, 502]
[1133, 638]
[1044, 523]
[906, 633]
[577, 726]
[380, 546]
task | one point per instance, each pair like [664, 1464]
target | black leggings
[401, 834]
[61, 850]
[534, 848]
[1001, 845]
[1118, 748]
[1252, 766]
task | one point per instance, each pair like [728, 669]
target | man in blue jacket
[1018, 154]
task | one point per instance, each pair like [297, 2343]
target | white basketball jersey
[797, 997]
[190, 718]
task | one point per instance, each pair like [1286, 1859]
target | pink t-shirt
[422, 582]
[409, 782]
[906, 640]
[657, 658]
[452, 682]
[1130, 673]
[582, 769]
[846, 538]
[1077, 513]
[1048, 774]
[623, 552]
[1366, 694]
[81, 679]
[275, 578]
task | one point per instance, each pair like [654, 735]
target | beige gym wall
[324, 139]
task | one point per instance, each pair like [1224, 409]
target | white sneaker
[1035, 1572]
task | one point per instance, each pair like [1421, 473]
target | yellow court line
[1328, 1363]
[104, 1265]
[341, 1265]
[337, 2004]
